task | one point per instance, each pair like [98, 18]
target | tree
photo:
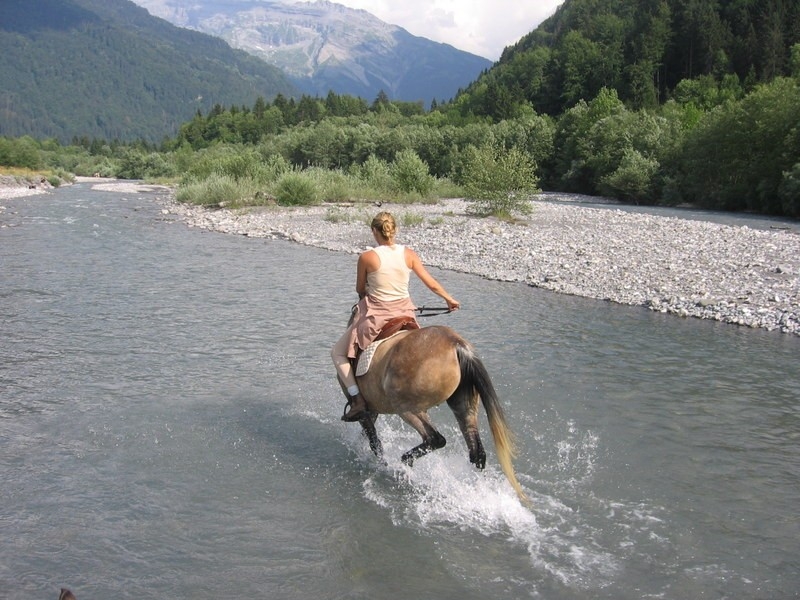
[632, 180]
[309, 109]
[571, 171]
[497, 181]
[738, 155]
[579, 59]
[650, 37]
[260, 107]
[381, 102]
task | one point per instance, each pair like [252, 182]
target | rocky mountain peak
[326, 46]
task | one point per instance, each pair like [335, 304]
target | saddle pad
[365, 359]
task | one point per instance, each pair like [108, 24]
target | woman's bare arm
[415, 264]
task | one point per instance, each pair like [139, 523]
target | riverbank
[689, 268]
[732, 274]
[12, 186]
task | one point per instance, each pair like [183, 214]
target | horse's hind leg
[368, 429]
[431, 439]
[464, 404]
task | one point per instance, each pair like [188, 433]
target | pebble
[688, 268]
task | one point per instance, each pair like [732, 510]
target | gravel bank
[733, 274]
[688, 268]
[17, 187]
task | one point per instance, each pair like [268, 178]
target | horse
[417, 369]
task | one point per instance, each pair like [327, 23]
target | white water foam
[443, 491]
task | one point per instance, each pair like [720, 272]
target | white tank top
[390, 281]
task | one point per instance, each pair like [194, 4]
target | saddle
[395, 325]
[364, 357]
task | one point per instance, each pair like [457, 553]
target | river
[169, 428]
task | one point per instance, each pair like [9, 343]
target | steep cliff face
[325, 46]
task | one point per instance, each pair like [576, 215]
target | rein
[432, 311]
[422, 311]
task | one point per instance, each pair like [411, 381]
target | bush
[216, 190]
[241, 166]
[91, 165]
[411, 219]
[498, 182]
[296, 189]
[275, 166]
[375, 173]
[138, 165]
[633, 179]
[410, 174]
[333, 185]
[22, 152]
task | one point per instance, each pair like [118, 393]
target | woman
[382, 276]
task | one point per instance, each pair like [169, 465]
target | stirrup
[357, 416]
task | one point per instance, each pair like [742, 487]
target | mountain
[107, 69]
[642, 49]
[325, 46]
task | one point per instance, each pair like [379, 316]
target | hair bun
[384, 222]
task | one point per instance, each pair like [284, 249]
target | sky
[482, 27]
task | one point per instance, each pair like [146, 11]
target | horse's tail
[474, 373]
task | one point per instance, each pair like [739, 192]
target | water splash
[443, 493]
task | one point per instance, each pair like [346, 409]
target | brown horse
[418, 369]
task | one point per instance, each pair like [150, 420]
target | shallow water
[169, 429]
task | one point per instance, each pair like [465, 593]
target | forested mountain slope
[108, 69]
[642, 49]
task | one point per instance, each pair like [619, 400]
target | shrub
[275, 166]
[333, 185]
[410, 219]
[296, 189]
[215, 190]
[207, 162]
[633, 178]
[138, 165]
[498, 182]
[374, 172]
[22, 152]
[446, 188]
[91, 164]
[410, 174]
[241, 166]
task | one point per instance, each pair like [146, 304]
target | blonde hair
[384, 224]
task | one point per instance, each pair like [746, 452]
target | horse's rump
[422, 368]
[412, 371]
